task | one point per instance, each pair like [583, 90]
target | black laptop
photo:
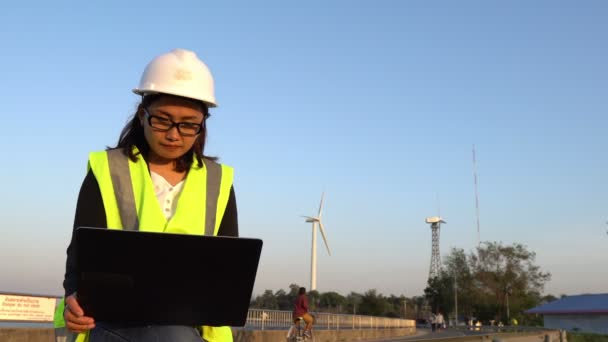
[146, 278]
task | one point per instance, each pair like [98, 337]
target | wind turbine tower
[435, 222]
[313, 253]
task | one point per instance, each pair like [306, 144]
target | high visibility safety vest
[130, 203]
[58, 320]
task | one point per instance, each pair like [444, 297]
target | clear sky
[377, 103]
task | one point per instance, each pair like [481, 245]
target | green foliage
[484, 284]
[370, 303]
[353, 302]
[332, 300]
[314, 300]
[396, 306]
[440, 293]
[279, 300]
[496, 282]
[266, 301]
[374, 304]
[416, 307]
[586, 337]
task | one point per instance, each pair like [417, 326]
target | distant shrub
[586, 337]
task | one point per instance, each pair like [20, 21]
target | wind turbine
[313, 253]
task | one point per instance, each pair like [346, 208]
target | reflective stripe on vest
[118, 164]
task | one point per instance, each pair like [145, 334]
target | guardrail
[257, 319]
[484, 329]
[261, 319]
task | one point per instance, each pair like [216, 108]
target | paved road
[426, 335]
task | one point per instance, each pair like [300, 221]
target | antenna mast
[438, 206]
[476, 194]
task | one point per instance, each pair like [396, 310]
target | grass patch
[586, 337]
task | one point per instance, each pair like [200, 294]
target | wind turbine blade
[321, 205]
[311, 219]
[322, 229]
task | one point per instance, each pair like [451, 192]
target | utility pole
[507, 292]
[508, 316]
[455, 302]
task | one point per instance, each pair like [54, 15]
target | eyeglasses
[186, 129]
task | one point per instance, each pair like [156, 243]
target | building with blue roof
[584, 313]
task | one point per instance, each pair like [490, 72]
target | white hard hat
[179, 72]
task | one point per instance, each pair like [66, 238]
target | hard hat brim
[144, 92]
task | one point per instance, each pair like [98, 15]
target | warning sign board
[26, 308]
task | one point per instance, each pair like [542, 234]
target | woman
[157, 179]
[300, 310]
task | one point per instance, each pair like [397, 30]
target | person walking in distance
[439, 321]
[433, 320]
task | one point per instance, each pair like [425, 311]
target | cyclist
[301, 311]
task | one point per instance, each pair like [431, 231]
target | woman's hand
[75, 320]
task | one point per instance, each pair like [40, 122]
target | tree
[373, 304]
[266, 301]
[456, 266]
[418, 303]
[370, 303]
[353, 302]
[283, 300]
[331, 301]
[508, 277]
[293, 290]
[396, 306]
[496, 283]
[439, 293]
[313, 300]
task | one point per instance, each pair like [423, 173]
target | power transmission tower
[435, 268]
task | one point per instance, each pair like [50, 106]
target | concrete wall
[584, 323]
[27, 334]
[540, 336]
[322, 335]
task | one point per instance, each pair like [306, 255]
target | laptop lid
[140, 277]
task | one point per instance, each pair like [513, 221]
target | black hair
[133, 135]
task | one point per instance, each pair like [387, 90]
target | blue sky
[376, 103]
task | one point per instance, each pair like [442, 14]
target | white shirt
[166, 194]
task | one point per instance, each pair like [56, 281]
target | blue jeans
[105, 332]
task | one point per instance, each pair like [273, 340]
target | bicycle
[296, 332]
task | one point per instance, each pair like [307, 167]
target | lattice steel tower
[435, 222]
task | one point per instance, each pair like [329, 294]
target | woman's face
[166, 111]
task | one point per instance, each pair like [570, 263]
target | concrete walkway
[423, 334]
